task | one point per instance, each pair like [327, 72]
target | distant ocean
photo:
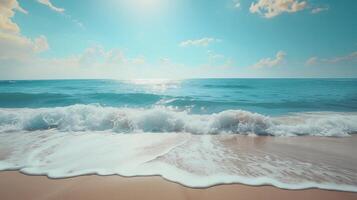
[188, 131]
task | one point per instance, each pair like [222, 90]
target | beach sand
[17, 186]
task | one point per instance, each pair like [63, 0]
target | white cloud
[51, 6]
[100, 57]
[203, 42]
[319, 9]
[14, 46]
[80, 24]
[216, 59]
[236, 3]
[40, 44]
[352, 57]
[214, 56]
[273, 8]
[271, 62]
[7, 11]
[93, 62]
[312, 61]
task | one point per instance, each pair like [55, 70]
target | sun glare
[144, 7]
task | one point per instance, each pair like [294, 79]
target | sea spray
[161, 119]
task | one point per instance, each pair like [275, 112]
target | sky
[175, 39]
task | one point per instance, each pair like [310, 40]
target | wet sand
[337, 152]
[17, 186]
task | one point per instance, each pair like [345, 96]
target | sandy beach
[15, 186]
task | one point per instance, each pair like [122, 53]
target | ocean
[268, 106]
[201, 96]
[197, 132]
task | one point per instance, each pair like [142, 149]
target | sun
[144, 7]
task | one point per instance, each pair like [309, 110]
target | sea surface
[291, 133]
[200, 96]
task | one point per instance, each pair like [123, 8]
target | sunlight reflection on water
[156, 85]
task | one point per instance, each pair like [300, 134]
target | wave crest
[166, 119]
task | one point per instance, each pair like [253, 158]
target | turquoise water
[324, 107]
[265, 96]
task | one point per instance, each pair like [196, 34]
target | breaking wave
[166, 119]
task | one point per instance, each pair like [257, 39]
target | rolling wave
[160, 119]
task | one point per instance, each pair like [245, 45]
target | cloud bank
[14, 47]
[352, 57]
[7, 11]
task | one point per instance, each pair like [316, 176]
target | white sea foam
[164, 119]
[191, 160]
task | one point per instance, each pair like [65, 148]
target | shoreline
[172, 181]
[307, 159]
[16, 185]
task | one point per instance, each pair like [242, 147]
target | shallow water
[192, 160]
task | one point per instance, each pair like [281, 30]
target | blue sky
[45, 39]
